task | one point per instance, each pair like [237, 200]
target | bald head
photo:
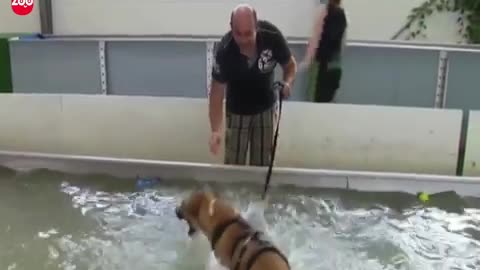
[243, 22]
[243, 13]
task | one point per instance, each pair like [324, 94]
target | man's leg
[262, 137]
[236, 138]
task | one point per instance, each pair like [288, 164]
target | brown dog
[234, 242]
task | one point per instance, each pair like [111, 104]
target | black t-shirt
[249, 88]
[334, 26]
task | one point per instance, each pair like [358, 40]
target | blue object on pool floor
[143, 182]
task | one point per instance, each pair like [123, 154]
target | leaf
[456, 5]
[416, 10]
[468, 20]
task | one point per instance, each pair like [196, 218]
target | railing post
[103, 67]
[46, 17]
[442, 78]
[210, 47]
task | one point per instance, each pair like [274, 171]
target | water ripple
[329, 230]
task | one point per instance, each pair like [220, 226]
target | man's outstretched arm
[215, 106]
[217, 92]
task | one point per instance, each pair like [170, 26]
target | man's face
[244, 32]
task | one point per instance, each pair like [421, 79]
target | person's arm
[217, 93]
[289, 71]
[215, 107]
[316, 34]
[286, 59]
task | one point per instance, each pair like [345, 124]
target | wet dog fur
[205, 211]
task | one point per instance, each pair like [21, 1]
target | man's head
[243, 22]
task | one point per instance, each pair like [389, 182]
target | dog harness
[245, 238]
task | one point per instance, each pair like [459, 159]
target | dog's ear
[206, 188]
[216, 194]
[209, 189]
[194, 203]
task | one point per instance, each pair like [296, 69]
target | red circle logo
[22, 7]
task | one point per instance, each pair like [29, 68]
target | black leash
[278, 86]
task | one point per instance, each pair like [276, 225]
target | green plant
[468, 20]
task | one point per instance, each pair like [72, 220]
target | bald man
[244, 65]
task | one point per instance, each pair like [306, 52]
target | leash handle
[278, 86]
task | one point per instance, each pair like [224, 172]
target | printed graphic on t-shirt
[266, 63]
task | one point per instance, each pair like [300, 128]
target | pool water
[50, 220]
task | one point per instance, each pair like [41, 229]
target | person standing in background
[243, 67]
[325, 46]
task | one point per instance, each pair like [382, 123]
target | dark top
[249, 88]
[334, 27]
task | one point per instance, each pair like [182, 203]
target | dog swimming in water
[236, 244]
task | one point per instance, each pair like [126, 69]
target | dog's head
[193, 207]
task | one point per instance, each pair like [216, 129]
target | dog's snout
[179, 213]
[191, 231]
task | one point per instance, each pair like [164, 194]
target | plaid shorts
[249, 132]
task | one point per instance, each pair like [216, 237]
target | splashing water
[55, 221]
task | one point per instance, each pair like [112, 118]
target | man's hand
[215, 142]
[286, 90]
[289, 72]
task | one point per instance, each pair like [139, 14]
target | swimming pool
[54, 220]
